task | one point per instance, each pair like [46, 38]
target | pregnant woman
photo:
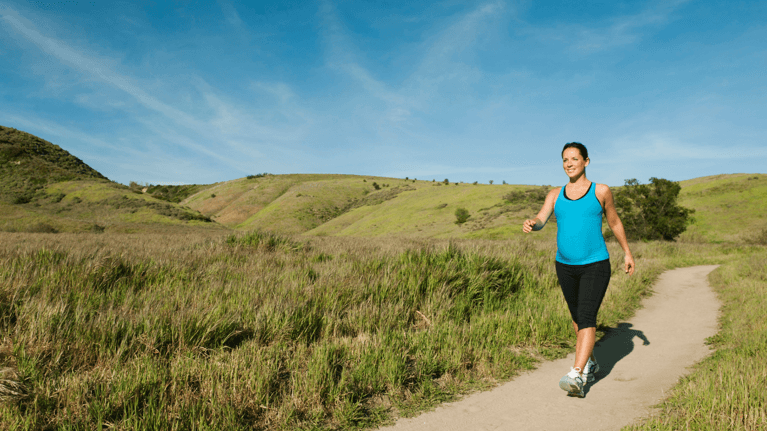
[582, 262]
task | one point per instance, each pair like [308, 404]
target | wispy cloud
[230, 13]
[96, 67]
[234, 130]
[439, 67]
[341, 56]
[614, 32]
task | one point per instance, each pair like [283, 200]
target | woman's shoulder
[601, 189]
[602, 192]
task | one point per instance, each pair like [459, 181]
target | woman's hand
[528, 225]
[628, 264]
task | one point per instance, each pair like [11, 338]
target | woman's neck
[580, 180]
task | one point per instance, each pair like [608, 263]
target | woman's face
[573, 162]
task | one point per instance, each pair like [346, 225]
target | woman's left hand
[628, 264]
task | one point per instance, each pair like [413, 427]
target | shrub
[461, 215]
[534, 197]
[650, 212]
[376, 186]
[22, 199]
[57, 197]
[446, 182]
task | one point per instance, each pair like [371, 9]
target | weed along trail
[640, 361]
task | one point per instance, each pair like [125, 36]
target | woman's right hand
[528, 225]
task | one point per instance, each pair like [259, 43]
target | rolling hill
[728, 207]
[43, 188]
[47, 189]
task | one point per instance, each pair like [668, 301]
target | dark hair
[582, 148]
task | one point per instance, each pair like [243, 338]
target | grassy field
[273, 332]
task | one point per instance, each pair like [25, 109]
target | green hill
[46, 189]
[352, 205]
[728, 207]
[28, 164]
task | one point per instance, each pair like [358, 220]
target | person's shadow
[614, 346]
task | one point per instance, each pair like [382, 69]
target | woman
[582, 262]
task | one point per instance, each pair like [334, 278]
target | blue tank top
[579, 229]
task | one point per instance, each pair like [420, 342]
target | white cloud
[230, 13]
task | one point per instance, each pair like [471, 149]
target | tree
[650, 211]
[461, 215]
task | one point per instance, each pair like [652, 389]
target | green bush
[22, 199]
[533, 197]
[650, 211]
[461, 215]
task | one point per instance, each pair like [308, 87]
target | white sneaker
[573, 383]
[590, 370]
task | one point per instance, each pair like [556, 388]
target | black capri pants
[584, 287]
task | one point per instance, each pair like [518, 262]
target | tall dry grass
[261, 331]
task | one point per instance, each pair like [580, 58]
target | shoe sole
[572, 389]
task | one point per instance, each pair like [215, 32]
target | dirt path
[639, 361]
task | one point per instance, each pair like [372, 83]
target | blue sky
[182, 92]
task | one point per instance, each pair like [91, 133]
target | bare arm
[543, 215]
[616, 226]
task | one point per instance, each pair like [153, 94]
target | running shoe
[590, 370]
[573, 383]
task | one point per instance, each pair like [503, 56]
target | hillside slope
[352, 205]
[728, 207]
[28, 164]
[43, 188]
